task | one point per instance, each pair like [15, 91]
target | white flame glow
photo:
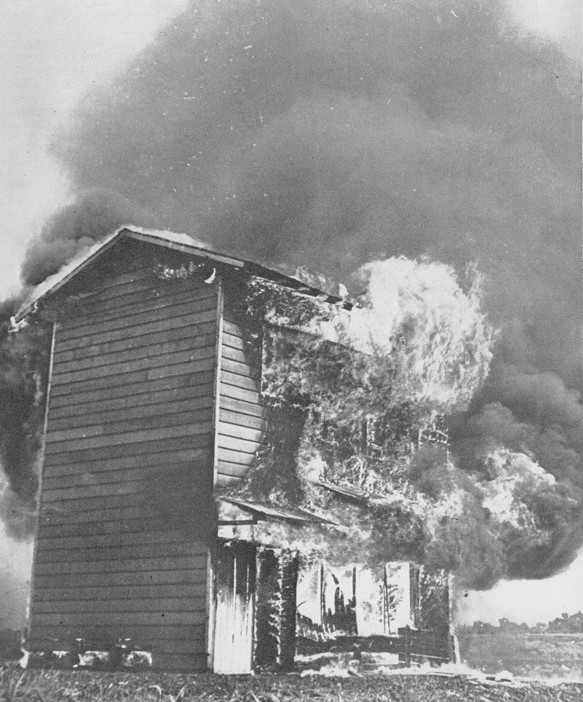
[417, 313]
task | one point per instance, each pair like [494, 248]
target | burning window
[435, 432]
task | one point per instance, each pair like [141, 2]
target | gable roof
[169, 240]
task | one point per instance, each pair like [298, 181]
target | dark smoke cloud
[332, 133]
[23, 364]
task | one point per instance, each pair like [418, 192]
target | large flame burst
[357, 402]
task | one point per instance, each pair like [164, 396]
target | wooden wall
[241, 414]
[128, 461]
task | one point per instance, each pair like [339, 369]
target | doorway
[235, 586]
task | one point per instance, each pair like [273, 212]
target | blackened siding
[241, 414]
[128, 461]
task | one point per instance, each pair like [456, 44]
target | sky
[52, 54]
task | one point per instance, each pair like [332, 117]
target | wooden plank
[233, 330]
[83, 477]
[158, 457]
[141, 281]
[102, 453]
[119, 294]
[124, 565]
[133, 379]
[80, 492]
[96, 311]
[234, 354]
[154, 635]
[238, 368]
[130, 437]
[139, 344]
[156, 578]
[238, 431]
[224, 481]
[244, 459]
[80, 506]
[91, 556]
[238, 445]
[68, 515]
[112, 540]
[191, 343]
[238, 393]
[113, 367]
[243, 420]
[240, 381]
[138, 524]
[155, 644]
[93, 618]
[194, 404]
[241, 407]
[136, 330]
[122, 592]
[235, 470]
[115, 605]
[133, 424]
[175, 389]
[97, 316]
[202, 310]
[233, 341]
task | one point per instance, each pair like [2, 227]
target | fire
[369, 387]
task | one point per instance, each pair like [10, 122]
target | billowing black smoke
[330, 133]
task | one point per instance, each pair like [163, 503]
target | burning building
[202, 457]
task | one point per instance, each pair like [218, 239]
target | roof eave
[128, 232]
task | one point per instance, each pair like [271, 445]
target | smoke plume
[336, 133]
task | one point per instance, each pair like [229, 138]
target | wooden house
[153, 404]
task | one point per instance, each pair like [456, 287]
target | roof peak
[167, 239]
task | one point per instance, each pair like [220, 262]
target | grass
[86, 686]
[540, 655]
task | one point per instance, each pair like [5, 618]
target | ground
[536, 655]
[85, 686]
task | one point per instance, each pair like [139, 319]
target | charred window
[373, 436]
[435, 432]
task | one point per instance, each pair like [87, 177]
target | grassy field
[539, 655]
[84, 686]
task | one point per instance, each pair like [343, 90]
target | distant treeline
[565, 624]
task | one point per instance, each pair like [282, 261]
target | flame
[417, 314]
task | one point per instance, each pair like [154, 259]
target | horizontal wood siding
[130, 420]
[240, 424]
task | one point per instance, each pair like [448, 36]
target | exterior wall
[241, 415]
[128, 451]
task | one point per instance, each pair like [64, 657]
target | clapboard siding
[120, 592]
[126, 450]
[153, 458]
[135, 405]
[136, 354]
[146, 579]
[193, 404]
[156, 635]
[131, 406]
[104, 476]
[139, 330]
[200, 335]
[121, 396]
[138, 303]
[153, 361]
[240, 420]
